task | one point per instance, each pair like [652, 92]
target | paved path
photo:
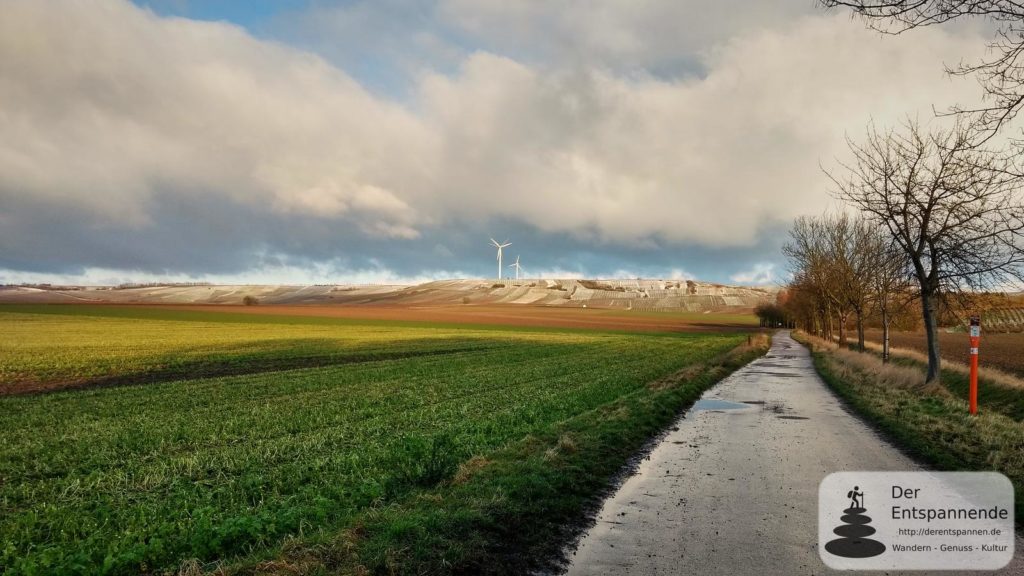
[734, 490]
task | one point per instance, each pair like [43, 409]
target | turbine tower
[516, 266]
[500, 246]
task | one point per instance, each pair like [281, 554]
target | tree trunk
[860, 330]
[885, 335]
[931, 328]
[842, 329]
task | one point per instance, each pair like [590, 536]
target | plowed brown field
[1002, 351]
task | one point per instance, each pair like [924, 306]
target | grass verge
[929, 422]
[997, 390]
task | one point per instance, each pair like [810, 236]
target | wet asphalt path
[733, 488]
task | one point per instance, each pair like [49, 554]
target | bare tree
[951, 206]
[853, 251]
[831, 260]
[811, 264]
[889, 281]
[806, 307]
[1001, 74]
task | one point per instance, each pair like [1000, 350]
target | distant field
[1003, 351]
[509, 315]
[307, 424]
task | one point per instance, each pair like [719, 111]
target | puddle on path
[717, 404]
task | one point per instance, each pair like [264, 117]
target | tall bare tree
[806, 306]
[1001, 73]
[832, 262]
[808, 252]
[853, 250]
[889, 276]
[950, 205]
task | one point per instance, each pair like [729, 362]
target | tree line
[934, 212]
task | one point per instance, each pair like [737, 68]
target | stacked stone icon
[853, 541]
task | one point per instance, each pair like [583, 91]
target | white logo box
[916, 521]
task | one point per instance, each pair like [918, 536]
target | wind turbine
[500, 246]
[516, 266]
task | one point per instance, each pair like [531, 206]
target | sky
[387, 141]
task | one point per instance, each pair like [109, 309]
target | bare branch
[952, 207]
[1001, 75]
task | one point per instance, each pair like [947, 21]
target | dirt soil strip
[489, 315]
[202, 369]
[734, 489]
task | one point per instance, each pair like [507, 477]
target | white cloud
[758, 274]
[555, 273]
[285, 274]
[108, 105]
[110, 114]
[709, 161]
[620, 34]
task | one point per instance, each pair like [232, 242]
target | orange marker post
[975, 339]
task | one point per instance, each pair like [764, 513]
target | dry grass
[191, 567]
[850, 365]
[994, 375]
[470, 468]
[998, 350]
[814, 343]
[927, 420]
[758, 341]
[672, 380]
[566, 445]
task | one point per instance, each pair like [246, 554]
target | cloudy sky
[386, 140]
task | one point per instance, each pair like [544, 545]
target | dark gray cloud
[152, 145]
[209, 236]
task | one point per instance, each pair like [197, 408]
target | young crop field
[215, 440]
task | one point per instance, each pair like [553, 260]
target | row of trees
[940, 218]
[842, 267]
[940, 210]
[775, 315]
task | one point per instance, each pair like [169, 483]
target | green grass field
[235, 439]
